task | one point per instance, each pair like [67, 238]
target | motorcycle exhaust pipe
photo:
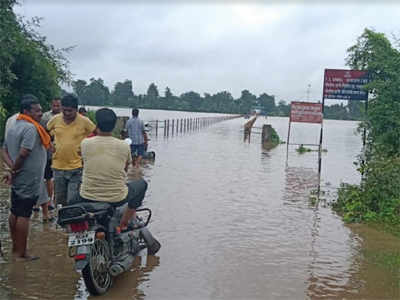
[121, 266]
[152, 244]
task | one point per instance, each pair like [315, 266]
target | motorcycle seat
[95, 206]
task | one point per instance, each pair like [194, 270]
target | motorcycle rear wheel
[96, 276]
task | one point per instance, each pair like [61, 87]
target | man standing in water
[48, 173]
[24, 153]
[135, 129]
[68, 129]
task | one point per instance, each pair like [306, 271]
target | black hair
[70, 100]
[27, 101]
[82, 109]
[106, 119]
[135, 112]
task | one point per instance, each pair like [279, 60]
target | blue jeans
[136, 192]
[66, 186]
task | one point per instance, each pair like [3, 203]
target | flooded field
[234, 221]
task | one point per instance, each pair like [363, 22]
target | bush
[91, 114]
[377, 198]
[3, 115]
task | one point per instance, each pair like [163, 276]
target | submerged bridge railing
[171, 127]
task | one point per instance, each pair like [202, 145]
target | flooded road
[234, 222]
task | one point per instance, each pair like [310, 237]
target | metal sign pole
[320, 143]
[320, 161]
[287, 142]
[364, 140]
[365, 118]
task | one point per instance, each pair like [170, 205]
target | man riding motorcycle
[105, 164]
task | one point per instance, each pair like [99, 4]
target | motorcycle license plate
[81, 238]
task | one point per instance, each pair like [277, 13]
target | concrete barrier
[269, 137]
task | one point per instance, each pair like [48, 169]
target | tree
[168, 93]
[28, 63]
[8, 44]
[152, 91]
[267, 103]
[377, 197]
[193, 100]
[283, 109]
[356, 110]
[336, 112]
[152, 95]
[122, 95]
[79, 87]
[96, 93]
[221, 102]
[373, 52]
[246, 101]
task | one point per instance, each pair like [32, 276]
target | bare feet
[26, 258]
[128, 215]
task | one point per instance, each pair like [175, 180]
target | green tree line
[377, 198]
[95, 92]
[28, 64]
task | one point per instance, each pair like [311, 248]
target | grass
[302, 150]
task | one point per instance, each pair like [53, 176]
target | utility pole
[308, 92]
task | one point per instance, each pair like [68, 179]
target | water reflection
[234, 224]
[127, 286]
[300, 182]
[333, 257]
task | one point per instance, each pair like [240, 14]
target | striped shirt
[135, 128]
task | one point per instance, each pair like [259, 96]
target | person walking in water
[68, 129]
[135, 129]
[24, 152]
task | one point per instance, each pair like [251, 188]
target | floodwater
[234, 221]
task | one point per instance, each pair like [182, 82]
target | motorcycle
[100, 249]
[149, 155]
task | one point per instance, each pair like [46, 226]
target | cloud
[273, 48]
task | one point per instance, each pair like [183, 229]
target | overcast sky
[263, 46]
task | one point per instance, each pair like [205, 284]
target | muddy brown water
[234, 221]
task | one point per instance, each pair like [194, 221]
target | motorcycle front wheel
[96, 276]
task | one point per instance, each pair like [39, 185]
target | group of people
[63, 153]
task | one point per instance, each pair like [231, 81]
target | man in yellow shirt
[68, 129]
[105, 162]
